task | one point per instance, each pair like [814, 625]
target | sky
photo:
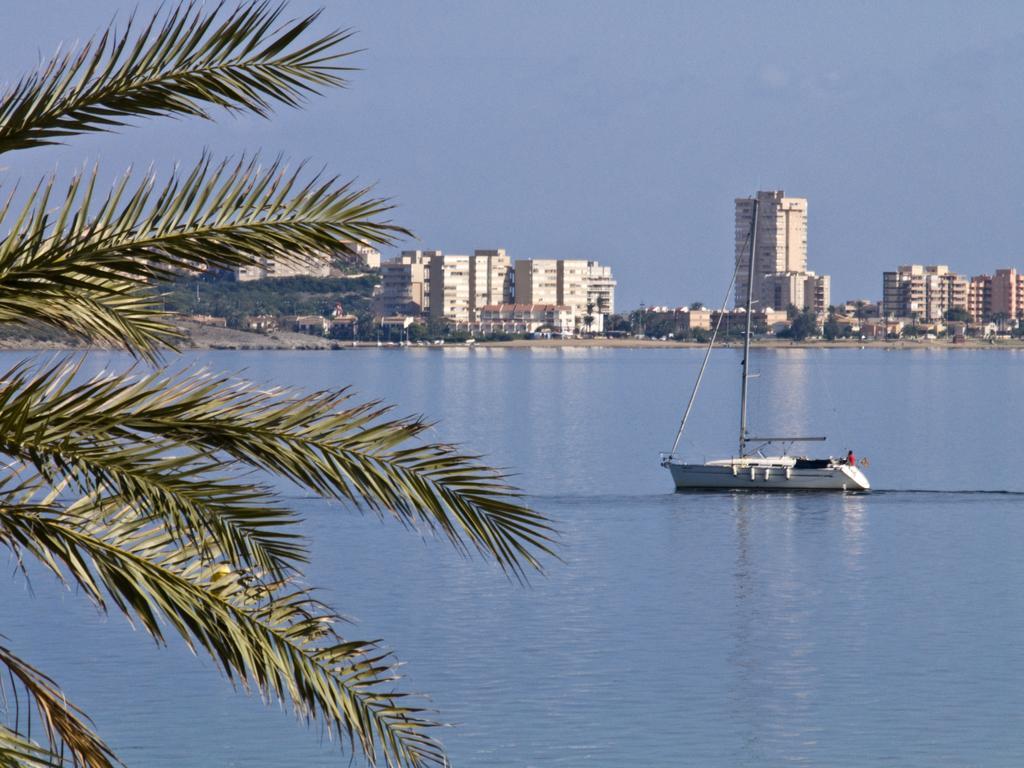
[622, 132]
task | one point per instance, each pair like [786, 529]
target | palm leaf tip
[64, 725]
[180, 63]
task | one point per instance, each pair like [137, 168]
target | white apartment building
[576, 283]
[525, 318]
[780, 259]
[490, 275]
[601, 290]
[573, 283]
[450, 288]
[445, 286]
[453, 287]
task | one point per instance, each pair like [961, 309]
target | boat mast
[746, 337]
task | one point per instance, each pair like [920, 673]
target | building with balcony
[525, 318]
[1000, 295]
[490, 277]
[536, 281]
[450, 288]
[405, 283]
[586, 287]
[780, 275]
[453, 287]
[601, 291]
[924, 293]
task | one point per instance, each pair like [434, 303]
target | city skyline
[558, 148]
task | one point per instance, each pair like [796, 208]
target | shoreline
[200, 337]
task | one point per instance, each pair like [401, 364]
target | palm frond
[18, 752]
[188, 490]
[319, 441]
[88, 269]
[179, 63]
[271, 635]
[63, 723]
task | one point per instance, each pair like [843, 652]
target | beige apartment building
[445, 286]
[804, 290]
[780, 272]
[573, 284]
[272, 268]
[536, 281]
[926, 293]
[405, 283]
[781, 238]
[319, 266]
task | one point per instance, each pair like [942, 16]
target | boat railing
[668, 457]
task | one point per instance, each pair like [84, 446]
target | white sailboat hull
[765, 475]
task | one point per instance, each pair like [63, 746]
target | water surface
[711, 629]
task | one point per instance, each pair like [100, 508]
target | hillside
[272, 296]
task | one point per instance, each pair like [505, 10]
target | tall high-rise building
[780, 275]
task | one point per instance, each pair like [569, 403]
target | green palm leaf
[180, 65]
[267, 634]
[118, 429]
[143, 489]
[84, 268]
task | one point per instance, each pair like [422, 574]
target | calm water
[705, 630]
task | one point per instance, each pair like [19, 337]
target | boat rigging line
[707, 355]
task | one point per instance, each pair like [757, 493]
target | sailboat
[751, 469]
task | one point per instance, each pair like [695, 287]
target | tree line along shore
[196, 336]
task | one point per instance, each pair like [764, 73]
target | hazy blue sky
[623, 131]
